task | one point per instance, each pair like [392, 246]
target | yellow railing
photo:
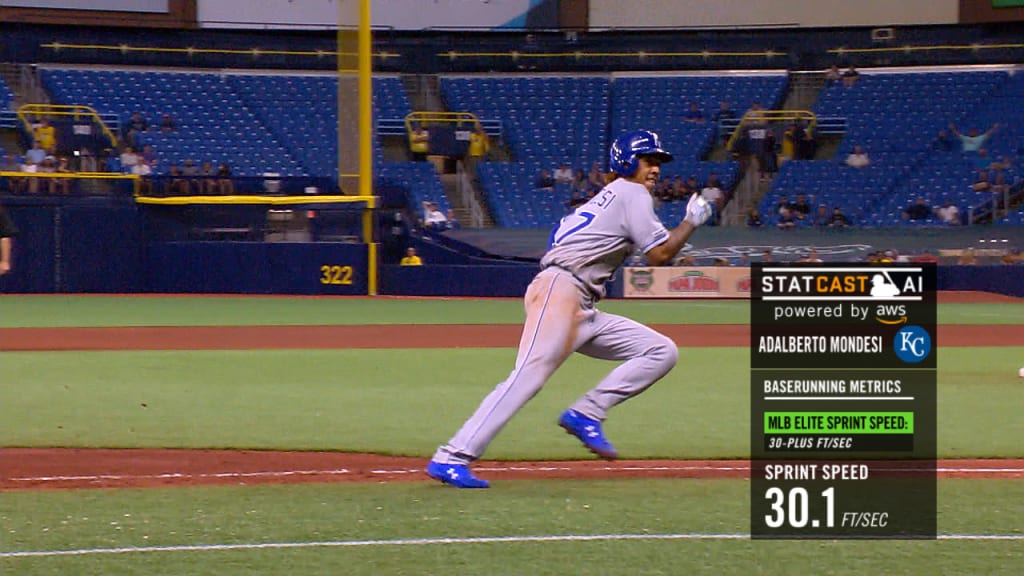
[424, 118]
[765, 116]
[28, 112]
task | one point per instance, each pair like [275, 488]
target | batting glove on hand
[698, 210]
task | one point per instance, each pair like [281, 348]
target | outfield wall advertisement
[687, 282]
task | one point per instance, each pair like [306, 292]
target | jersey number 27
[585, 217]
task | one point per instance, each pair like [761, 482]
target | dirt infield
[42, 469]
[33, 469]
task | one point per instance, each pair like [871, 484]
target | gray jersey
[597, 237]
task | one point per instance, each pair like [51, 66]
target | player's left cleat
[457, 475]
[589, 432]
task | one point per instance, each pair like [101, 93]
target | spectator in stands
[768, 160]
[46, 135]
[807, 147]
[1012, 257]
[793, 134]
[822, 218]
[949, 213]
[839, 220]
[595, 177]
[143, 170]
[136, 124]
[942, 143]
[411, 258]
[167, 123]
[224, 182]
[190, 172]
[680, 191]
[36, 154]
[833, 75]
[724, 112]
[419, 142]
[47, 166]
[563, 174]
[999, 187]
[716, 197]
[175, 183]
[850, 76]
[919, 210]
[110, 161]
[128, 160]
[86, 160]
[787, 220]
[754, 218]
[982, 161]
[544, 180]
[967, 257]
[148, 155]
[981, 182]
[783, 204]
[14, 184]
[30, 167]
[433, 218]
[580, 186]
[858, 158]
[207, 184]
[973, 141]
[7, 233]
[766, 255]
[61, 185]
[479, 147]
[694, 114]
[801, 209]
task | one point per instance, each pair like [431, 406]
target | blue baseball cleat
[589, 432]
[457, 475]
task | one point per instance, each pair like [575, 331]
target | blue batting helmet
[627, 148]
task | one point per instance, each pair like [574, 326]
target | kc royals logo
[912, 344]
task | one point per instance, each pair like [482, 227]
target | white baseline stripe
[282, 473]
[430, 542]
[481, 468]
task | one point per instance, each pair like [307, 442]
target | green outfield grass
[381, 516]
[408, 401]
[91, 311]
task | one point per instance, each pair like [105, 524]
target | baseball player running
[584, 251]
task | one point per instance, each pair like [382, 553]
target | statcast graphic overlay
[843, 401]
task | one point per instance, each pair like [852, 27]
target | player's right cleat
[457, 475]
[589, 432]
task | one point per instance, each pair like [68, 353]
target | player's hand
[698, 210]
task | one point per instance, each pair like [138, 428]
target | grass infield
[93, 311]
[405, 402]
[382, 516]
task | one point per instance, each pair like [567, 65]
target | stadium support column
[355, 98]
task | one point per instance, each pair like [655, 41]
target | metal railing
[27, 113]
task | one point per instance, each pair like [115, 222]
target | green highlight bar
[838, 422]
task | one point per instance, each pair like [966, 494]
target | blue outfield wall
[102, 246]
[325, 268]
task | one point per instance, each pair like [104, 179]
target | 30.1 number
[336, 274]
[795, 508]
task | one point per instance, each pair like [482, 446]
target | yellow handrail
[440, 117]
[752, 116]
[75, 110]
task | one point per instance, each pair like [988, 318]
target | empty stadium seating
[896, 118]
[287, 123]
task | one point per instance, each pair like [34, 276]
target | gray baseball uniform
[586, 248]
